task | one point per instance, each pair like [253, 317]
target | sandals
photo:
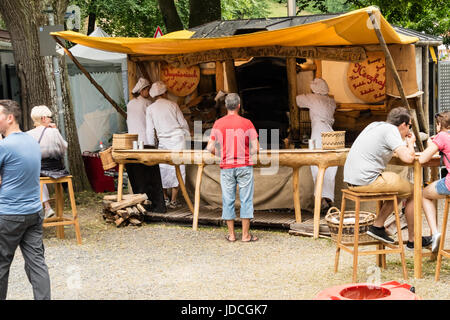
[252, 239]
[227, 237]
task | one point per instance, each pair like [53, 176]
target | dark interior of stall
[263, 88]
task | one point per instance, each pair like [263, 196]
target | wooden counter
[294, 158]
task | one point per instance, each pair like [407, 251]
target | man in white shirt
[364, 168]
[143, 179]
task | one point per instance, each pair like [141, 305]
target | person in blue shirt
[21, 213]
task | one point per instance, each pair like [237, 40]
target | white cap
[319, 86]
[220, 95]
[141, 84]
[158, 88]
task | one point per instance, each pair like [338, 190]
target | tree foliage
[430, 16]
[139, 18]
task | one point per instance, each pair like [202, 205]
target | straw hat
[319, 86]
[158, 88]
[141, 84]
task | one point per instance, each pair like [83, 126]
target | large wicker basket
[107, 159]
[124, 140]
[348, 228]
[333, 140]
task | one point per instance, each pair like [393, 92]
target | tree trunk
[170, 15]
[199, 13]
[22, 18]
[36, 74]
[92, 17]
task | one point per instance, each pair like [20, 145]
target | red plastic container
[392, 290]
[95, 173]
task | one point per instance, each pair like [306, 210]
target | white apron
[168, 173]
[321, 111]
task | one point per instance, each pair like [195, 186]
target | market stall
[370, 68]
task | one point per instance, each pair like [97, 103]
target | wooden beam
[132, 77]
[291, 69]
[318, 64]
[231, 76]
[425, 87]
[220, 85]
[398, 82]
[350, 53]
[96, 85]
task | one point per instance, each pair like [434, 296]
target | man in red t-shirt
[236, 139]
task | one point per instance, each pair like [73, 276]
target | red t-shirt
[442, 140]
[234, 133]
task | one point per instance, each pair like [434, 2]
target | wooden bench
[443, 252]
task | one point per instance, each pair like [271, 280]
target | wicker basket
[124, 140]
[107, 159]
[348, 228]
[333, 140]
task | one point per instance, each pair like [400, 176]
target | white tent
[95, 117]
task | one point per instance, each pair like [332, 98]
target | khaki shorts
[387, 182]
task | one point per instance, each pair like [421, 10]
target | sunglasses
[409, 125]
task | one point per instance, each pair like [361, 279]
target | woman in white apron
[165, 119]
[321, 112]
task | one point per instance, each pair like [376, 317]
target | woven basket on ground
[107, 159]
[333, 140]
[124, 140]
[348, 228]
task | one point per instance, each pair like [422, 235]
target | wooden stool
[381, 252]
[59, 221]
[442, 251]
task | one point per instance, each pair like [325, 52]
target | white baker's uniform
[165, 117]
[136, 117]
[321, 112]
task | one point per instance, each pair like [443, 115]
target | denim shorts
[229, 180]
[441, 188]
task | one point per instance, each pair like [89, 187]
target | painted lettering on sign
[180, 81]
[367, 79]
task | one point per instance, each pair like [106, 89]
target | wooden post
[231, 76]
[183, 188]
[297, 207]
[391, 65]
[417, 220]
[318, 201]
[120, 182]
[220, 85]
[318, 64]
[198, 183]
[425, 84]
[294, 111]
[132, 77]
[96, 85]
[143, 71]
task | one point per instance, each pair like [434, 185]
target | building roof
[224, 28]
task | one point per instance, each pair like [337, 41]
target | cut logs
[129, 211]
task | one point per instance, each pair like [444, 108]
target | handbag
[52, 168]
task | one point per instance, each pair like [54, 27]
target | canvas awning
[352, 28]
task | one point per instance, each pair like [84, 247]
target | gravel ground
[170, 261]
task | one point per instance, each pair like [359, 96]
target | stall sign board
[367, 79]
[180, 81]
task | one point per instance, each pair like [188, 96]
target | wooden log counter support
[418, 183]
[267, 159]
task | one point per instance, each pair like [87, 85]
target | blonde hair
[40, 111]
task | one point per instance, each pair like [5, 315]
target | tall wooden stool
[59, 221]
[442, 251]
[381, 251]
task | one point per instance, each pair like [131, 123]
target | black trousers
[24, 231]
[147, 179]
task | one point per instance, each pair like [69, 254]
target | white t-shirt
[371, 152]
[136, 117]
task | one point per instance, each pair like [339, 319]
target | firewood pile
[129, 211]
